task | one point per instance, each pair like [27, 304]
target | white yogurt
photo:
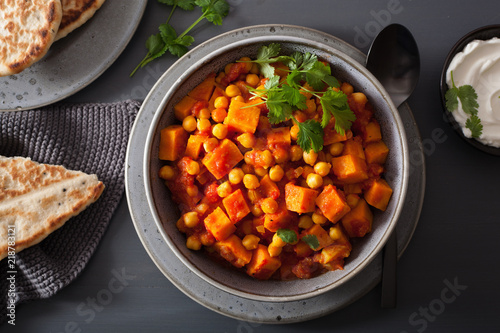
[479, 66]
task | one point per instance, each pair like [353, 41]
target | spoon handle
[389, 272]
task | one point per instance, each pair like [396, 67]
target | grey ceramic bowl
[212, 56]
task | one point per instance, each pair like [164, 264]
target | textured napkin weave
[91, 138]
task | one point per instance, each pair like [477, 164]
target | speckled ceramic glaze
[74, 61]
[212, 56]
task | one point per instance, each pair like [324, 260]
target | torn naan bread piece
[75, 14]
[37, 199]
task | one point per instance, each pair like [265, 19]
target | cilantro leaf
[287, 235]
[155, 44]
[293, 78]
[213, 10]
[319, 74]
[310, 135]
[273, 82]
[184, 4]
[468, 98]
[279, 110]
[474, 125]
[335, 104]
[294, 97]
[451, 97]
[311, 240]
[267, 52]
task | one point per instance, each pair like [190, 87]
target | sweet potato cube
[332, 203]
[233, 251]
[280, 135]
[183, 108]
[378, 194]
[203, 91]
[300, 199]
[331, 135]
[219, 225]
[322, 236]
[236, 206]
[349, 169]
[222, 159]
[376, 152]
[280, 219]
[262, 266]
[218, 91]
[173, 141]
[194, 144]
[242, 117]
[335, 253]
[353, 189]
[358, 222]
[372, 132]
[354, 146]
[268, 188]
[302, 249]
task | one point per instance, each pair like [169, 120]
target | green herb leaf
[272, 82]
[279, 110]
[474, 125]
[451, 97]
[184, 4]
[267, 52]
[335, 104]
[318, 75]
[213, 10]
[468, 98]
[293, 97]
[312, 241]
[310, 135]
[287, 235]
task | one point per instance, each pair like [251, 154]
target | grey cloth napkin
[88, 137]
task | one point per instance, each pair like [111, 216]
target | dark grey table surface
[448, 275]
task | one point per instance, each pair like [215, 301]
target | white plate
[239, 307]
[76, 60]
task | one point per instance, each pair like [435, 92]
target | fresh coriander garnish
[283, 97]
[468, 98]
[287, 235]
[168, 40]
[312, 241]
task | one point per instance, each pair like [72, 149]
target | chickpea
[274, 251]
[193, 243]
[267, 158]
[306, 171]
[305, 222]
[247, 140]
[346, 88]
[204, 124]
[232, 90]
[193, 168]
[201, 208]
[335, 233]
[189, 124]
[336, 149]
[294, 132]
[250, 242]
[311, 105]
[210, 144]
[167, 172]
[219, 114]
[191, 219]
[318, 218]
[221, 102]
[359, 98]
[260, 171]
[314, 180]
[322, 168]
[255, 69]
[224, 189]
[352, 200]
[236, 176]
[277, 241]
[256, 211]
[310, 157]
[251, 182]
[248, 63]
[204, 114]
[192, 190]
[276, 173]
[252, 80]
[296, 153]
[269, 206]
[219, 131]
[238, 98]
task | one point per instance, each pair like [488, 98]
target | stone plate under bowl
[212, 56]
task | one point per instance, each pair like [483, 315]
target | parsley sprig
[167, 39]
[283, 97]
[468, 99]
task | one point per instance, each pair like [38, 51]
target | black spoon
[394, 60]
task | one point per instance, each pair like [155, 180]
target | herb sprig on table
[283, 97]
[468, 98]
[167, 39]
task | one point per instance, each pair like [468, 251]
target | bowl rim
[478, 33]
[258, 39]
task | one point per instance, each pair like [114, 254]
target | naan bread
[27, 30]
[76, 13]
[39, 198]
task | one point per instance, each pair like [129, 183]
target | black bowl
[483, 33]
